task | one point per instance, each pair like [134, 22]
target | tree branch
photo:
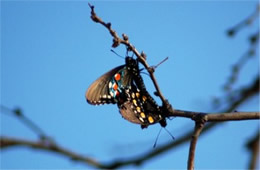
[212, 117]
[6, 142]
[198, 128]
[253, 147]
[200, 120]
[18, 113]
[247, 21]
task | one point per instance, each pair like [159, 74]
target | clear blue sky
[51, 52]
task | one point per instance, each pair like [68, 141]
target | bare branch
[200, 120]
[253, 146]
[18, 113]
[198, 128]
[6, 142]
[247, 21]
[233, 116]
[211, 117]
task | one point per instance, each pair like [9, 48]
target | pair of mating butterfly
[124, 86]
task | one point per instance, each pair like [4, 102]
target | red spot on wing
[117, 77]
[115, 86]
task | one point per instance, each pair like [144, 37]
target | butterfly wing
[98, 91]
[139, 108]
[103, 89]
[127, 112]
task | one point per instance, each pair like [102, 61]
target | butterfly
[124, 86]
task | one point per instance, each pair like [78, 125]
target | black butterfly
[124, 86]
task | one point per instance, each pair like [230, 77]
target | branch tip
[91, 6]
[125, 37]
[143, 55]
[116, 43]
[109, 25]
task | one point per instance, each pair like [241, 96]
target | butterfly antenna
[169, 133]
[144, 73]
[161, 62]
[154, 67]
[155, 143]
[116, 54]
[133, 54]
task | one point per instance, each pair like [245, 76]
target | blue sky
[52, 51]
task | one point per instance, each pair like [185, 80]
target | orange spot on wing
[115, 87]
[142, 114]
[117, 77]
[150, 119]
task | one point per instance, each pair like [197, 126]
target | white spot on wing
[110, 84]
[141, 119]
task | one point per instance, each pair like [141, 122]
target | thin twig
[237, 67]
[25, 120]
[247, 21]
